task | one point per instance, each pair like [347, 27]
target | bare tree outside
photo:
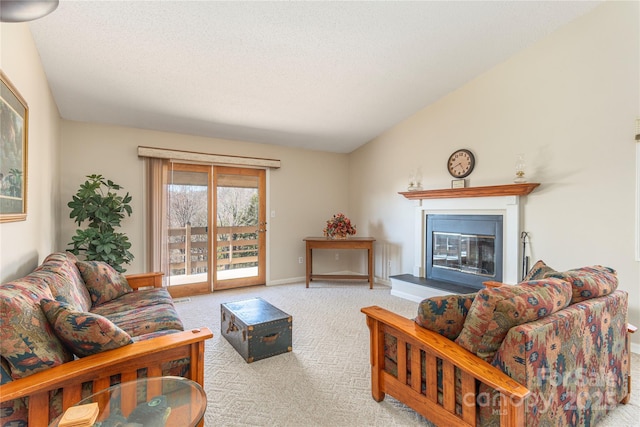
[237, 207]
[188, 220]
[234, 206]
[188, 206]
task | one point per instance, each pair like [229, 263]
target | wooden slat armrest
[98, 365]
[448, 350]
[631, 328]
[145, 280]
[492, 284]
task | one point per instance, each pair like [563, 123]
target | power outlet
[337, 256]
[300, 260]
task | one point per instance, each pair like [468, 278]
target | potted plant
[98, 202]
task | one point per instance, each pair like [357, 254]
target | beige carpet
[325, 380]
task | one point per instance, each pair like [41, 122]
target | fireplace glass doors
[462, 252]
[464, 249]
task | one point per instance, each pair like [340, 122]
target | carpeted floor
[325, 380]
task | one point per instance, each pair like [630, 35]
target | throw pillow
[480, 319]
[538, 271]
[588, 282]
[103, 281]
[61, 274]
[83, 333]
[496, 310]
[27, 341]
[444, 314]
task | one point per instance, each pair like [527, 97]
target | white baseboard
[381, 281]
[291, 280]
[635, 348]
[286, 281]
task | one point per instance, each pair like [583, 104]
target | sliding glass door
[214, 232]
[240, 227]
[188, 234]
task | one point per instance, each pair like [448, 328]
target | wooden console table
[349, 243]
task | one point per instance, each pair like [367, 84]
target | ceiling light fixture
[25, 10]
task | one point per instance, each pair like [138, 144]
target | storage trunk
[255, 328]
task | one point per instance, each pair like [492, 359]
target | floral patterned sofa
[550, 351]
[71, 328]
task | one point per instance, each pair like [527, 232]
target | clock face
[461, 163]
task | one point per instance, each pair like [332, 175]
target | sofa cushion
[103, 281]
[83, 333]
[496, 310]
[588, 282]
[133, 300]
[444, 314]
[155, 334]
[144, 320]
[13, 412]
[538, 271]
[60, 273]
[142, 312]
[27, 341]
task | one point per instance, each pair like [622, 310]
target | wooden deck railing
[190, 247]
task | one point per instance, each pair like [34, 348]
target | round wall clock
[461, 163]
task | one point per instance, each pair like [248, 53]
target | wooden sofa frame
[98, 368]
[435, 346]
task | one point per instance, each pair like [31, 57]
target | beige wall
[569, 103]
[304, 192]
[24, 244]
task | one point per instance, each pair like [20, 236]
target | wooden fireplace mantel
[489, 191]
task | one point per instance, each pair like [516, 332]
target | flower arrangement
[339, 227]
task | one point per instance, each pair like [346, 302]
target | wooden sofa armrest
[98, 369]
[435, 346]
[492, 284]
[144, 280]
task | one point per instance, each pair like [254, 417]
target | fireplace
[464, 249]
[502, 201]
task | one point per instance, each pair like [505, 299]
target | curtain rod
[220, 159]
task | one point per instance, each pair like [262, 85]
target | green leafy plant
[98, 202]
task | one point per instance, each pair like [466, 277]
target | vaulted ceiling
[323, 75]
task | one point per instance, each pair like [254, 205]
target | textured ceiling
[327, 76]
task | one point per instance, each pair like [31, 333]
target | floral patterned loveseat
[71, 328]
[550, 351]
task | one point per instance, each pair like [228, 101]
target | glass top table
[157, 401]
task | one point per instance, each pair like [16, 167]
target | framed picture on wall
[14, 126]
